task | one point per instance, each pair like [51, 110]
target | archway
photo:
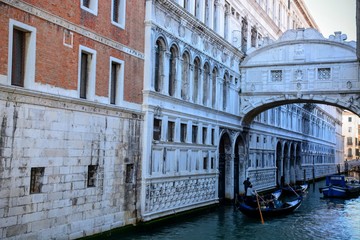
[225, 154]
[278, 163]
[239, 165]
[285, 178]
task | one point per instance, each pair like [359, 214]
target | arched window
[244, 31]
[206, 84]
[215, 17]
[225, 90]
[196, 76]
[172, 70]
[213, 80]
[197, 8]
[185, 76]
[207, 13]
[159, 65]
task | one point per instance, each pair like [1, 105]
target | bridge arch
[301, 67]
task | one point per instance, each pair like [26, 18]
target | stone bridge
[301, 67]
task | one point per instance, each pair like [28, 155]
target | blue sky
[334, 15]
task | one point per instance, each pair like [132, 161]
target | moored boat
[338, 186]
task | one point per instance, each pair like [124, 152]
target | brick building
[70, 116]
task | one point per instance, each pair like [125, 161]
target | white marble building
[200, 153]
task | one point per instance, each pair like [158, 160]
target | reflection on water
[316, 218]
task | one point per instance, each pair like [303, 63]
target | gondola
[297, 189]
[269, 209]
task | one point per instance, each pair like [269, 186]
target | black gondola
[273, 208]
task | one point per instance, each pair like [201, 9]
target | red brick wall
[57, 64]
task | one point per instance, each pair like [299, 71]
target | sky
[334, 15]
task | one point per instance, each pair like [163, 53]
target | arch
[239, 164]
[225, 90]
[225, 153]
[279, 160]
[174, 55]
[301, 67]
[285, 178]
[214, 76]
[196, 79]
[206, 84]
[185, 73]
[160, 48]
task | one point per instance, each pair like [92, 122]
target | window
[129, 173]
[159, 51]
[22, 52]
[349, 141]
[214, 78]
[350, 119]
[92, 169]
[172, 71]
[90, 6]
[225, 91]
[116, 81]
[194, 134]
[118, 12]
[206, 84]
[87, 73]
[157, 129]
[324, 73]
[36, 178]
[185, 76]
[212, 136]
[205, 163]
[171, 131]
[196, 76]
[350, 129]
[204, 135]
[183, 132]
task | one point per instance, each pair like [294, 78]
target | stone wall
[68, 168]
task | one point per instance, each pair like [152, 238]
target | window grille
[36, 178]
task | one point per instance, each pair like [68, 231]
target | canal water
[316, 218]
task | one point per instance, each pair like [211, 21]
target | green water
[316, 218]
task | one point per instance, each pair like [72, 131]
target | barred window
[129, 173]
[324, 73]
[36, 179]
[276, 75]
[92, 170]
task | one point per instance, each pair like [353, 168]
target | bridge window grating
[324, 73]
[276, 75]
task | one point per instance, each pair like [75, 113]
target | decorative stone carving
[349, 85]
[161, 196]
[194, 38]
[299, 52]
[168, 20]
[298, 75]
[214, 51]
[181, 31]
